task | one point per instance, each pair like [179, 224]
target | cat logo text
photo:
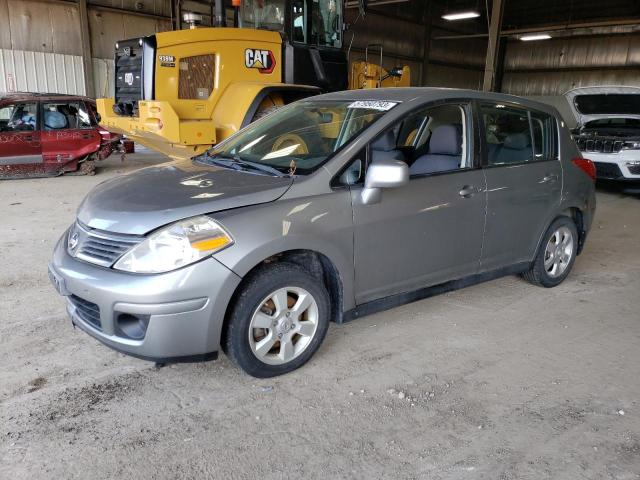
[263, 60]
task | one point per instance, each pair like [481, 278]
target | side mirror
[98, 117]
[383, 174]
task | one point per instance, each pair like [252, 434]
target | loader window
[326, 23]
[265, 14]
[196, 77]
[299, 19]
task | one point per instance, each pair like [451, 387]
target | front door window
[21, 117]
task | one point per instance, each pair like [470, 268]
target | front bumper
[183, 309]
[622, 166]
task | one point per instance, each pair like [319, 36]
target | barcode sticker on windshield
[373, 105]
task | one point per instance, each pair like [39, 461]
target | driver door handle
[469, 191]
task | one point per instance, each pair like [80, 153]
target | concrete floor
[501, 381]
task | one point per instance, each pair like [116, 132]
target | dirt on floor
[498, 381]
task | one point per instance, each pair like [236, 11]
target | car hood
[599, 106]
[149, 198]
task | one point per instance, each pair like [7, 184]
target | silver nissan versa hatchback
[326, 210]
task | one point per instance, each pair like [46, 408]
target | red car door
[20, 145]
[68, 135]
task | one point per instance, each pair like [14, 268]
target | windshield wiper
[237, 163]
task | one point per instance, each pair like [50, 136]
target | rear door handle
[468, 191]
[86, 136]
[549, 178]
[28, 139]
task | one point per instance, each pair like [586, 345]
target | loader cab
[312, 31]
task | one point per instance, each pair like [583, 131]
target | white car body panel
[625, 159]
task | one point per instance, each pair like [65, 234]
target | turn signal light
[587, 166]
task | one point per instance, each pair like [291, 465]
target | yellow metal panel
[229, 46]
[232, 107]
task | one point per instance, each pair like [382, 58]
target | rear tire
[556, 255]
[278, 321]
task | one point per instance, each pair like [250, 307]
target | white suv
[608, 130]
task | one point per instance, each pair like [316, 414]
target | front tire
[556, 255]
[278, 321]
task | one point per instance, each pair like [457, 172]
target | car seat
[55, 121]
[516, 148]
[384, 148]
[444, 152]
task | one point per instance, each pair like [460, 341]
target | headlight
[631, 145]
[175, 246]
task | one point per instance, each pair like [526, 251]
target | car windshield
[298, 138]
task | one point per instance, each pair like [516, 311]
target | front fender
[322, 223]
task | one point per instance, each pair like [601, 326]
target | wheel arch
[287, 94]
[575, 214]
[314, 262]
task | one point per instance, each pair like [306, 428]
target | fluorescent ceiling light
[460, 15]
[541, 36]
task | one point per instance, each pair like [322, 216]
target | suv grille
[599, 145]
[87, 311]
[100, 247]
[607, 170]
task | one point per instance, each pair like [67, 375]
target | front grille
[134, 73]
[607, 170]
[87, 311]
[601, 145]
[100, 247]
[634, 169]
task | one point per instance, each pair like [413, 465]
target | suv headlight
[631, 145]
[175, 246]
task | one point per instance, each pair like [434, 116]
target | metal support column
[493, 46]
[426, 46]
[85, 40]
[220, 20]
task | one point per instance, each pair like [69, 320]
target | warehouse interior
[495, 380]
[589, 45]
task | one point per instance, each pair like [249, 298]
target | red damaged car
[51, 134]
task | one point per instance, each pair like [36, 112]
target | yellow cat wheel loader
[181, 92]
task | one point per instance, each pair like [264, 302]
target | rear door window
[65, 116]
[543, 127]
[515, 135]
[508, 135]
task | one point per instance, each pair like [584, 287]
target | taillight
[587, 166]
[106, 135]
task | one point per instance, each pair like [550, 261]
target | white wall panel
[26, 71]
[103, 73]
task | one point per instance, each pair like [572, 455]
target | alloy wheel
[283, 325]
[558, 252]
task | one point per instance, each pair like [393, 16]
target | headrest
[516, 141]
[54, 120]
[446, 140]
[385, 143]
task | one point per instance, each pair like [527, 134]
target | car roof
[425, 94]
[25, 96]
